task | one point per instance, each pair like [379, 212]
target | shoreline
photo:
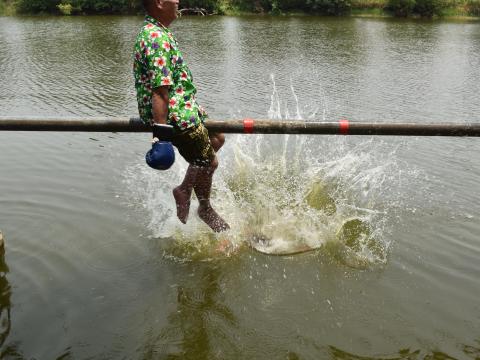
[370, 13]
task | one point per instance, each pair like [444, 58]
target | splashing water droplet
[284, 192]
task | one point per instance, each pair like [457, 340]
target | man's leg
[200, 178]
[183, 192]
[203, 186]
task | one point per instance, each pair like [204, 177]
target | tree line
[401, 8]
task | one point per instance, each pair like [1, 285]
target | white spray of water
[286, 190]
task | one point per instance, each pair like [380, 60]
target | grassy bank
[373, 8]
[428, 9]
[7, 8]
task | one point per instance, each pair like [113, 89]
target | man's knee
[221, 138]
[217, 140]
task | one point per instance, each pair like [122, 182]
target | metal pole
[343, 127]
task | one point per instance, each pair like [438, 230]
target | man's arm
[160, 104]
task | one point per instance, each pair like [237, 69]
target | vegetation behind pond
[400, 8]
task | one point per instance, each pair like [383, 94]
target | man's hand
[162, 132]
[160, 104]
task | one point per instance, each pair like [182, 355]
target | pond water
[98, 267]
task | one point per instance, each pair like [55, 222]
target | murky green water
[98, 267]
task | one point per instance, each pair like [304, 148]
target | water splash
[284, 192]
[308, 111]
[292, 202]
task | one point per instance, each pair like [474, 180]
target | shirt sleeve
[158, 58]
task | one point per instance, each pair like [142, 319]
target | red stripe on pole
[248, 126]
[344, 126]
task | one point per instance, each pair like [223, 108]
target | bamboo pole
[342, 127]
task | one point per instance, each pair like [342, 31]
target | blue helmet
[161, 156]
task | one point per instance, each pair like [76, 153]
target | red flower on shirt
[172, 102]
[155, 34]
[166, 45]
[166, 82]
[188, 105]
[159, 62]
[184, 75]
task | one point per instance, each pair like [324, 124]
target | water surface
[97, 266]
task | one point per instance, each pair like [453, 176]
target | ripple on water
[59, 193]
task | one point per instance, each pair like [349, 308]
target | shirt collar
[151, 20]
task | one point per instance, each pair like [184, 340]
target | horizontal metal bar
[94, 124]
[124, 124]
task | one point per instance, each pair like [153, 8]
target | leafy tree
[473, 7]
[209, 5]
[401, 8]
[427, 8]
[104, 6]
[37, 6]
[331, 7]
[286, 5]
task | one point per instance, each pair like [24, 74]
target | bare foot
[182, 200]
[212, 219]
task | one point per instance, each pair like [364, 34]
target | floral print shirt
[159, 62]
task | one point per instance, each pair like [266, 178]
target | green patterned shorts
[194, 145]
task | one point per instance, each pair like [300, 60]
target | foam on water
[286, 192]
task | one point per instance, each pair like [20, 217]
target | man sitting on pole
[166, 96]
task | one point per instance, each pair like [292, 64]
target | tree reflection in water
[7, 350]
[201, 325]
[407, 354]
